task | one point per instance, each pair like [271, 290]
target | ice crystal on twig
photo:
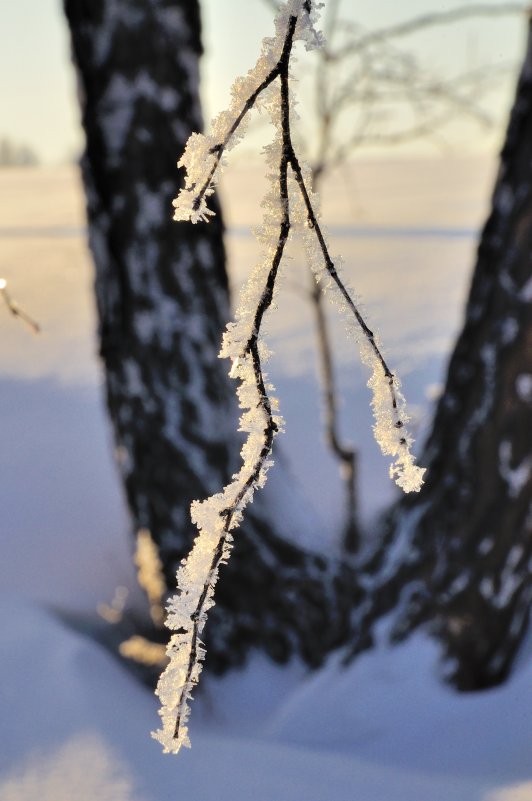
[388, 403]
[289, 202]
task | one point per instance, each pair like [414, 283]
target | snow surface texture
[288, 201]
[382, 730]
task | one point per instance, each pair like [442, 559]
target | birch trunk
[456, 559]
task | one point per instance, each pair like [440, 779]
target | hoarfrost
[287, 203]
[388, 403]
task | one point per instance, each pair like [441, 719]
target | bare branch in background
[346, 454]
[368, 91]
[363, 39]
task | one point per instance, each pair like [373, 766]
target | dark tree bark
[161, 288]
[162, 300]
[457, 557]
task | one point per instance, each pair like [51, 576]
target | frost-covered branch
[289, 202]
[388, 402]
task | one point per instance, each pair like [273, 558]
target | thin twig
[218, 150]
[424, 21]
[16, 310]
[345, 454]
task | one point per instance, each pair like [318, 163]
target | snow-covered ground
[74, 726]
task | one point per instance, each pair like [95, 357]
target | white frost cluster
[196, 579]
[202, 158]
[389, 428]
[198, 574]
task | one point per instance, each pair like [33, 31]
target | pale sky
[37, 83]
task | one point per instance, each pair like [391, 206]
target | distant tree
[13, 154]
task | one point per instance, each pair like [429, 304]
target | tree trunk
[457, 557]
[161, 288]
[162, 300]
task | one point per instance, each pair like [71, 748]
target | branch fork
[289, 203]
